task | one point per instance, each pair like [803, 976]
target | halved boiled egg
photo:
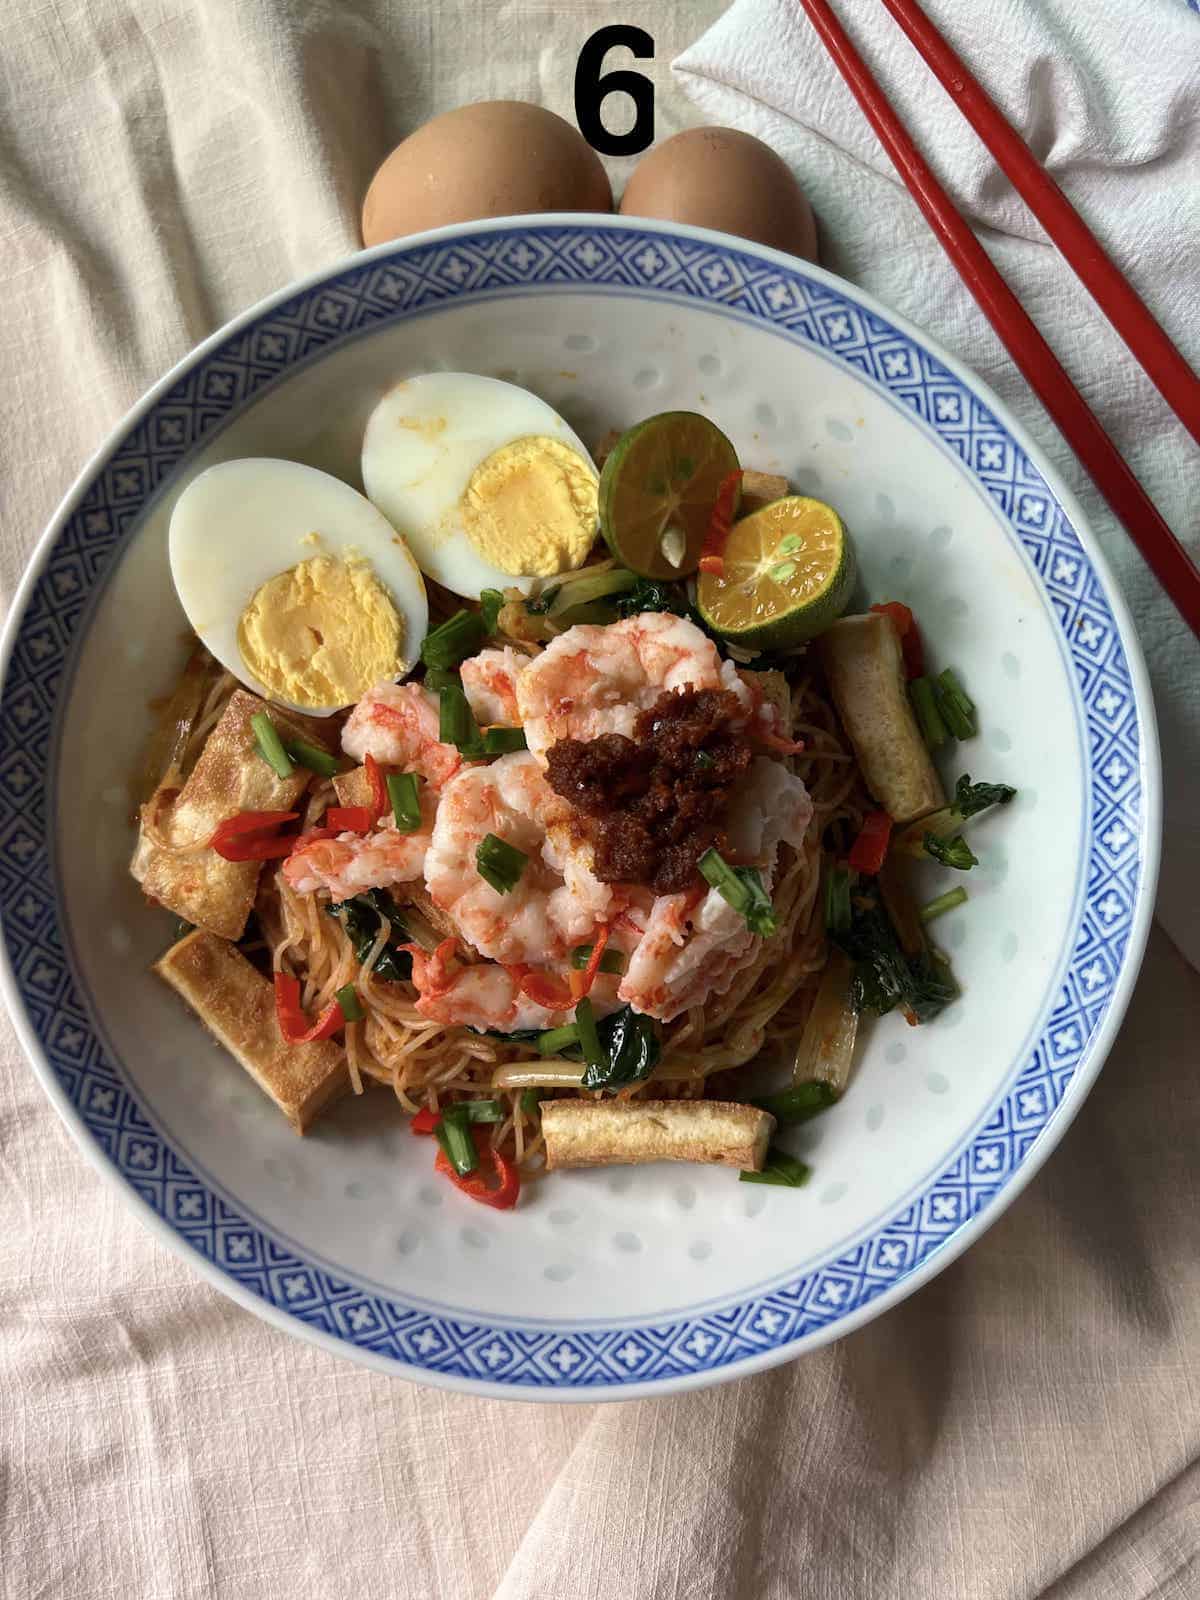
[487, 483]
[297, 584]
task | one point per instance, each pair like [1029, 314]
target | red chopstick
[1079, 246]
[1042, 370]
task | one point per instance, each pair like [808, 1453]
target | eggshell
[718, 178]
[495, 159]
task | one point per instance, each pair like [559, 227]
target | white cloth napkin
[1108, 97]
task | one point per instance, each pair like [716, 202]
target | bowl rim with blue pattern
[547, 255]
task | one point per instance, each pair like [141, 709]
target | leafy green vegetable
[491, 603]
[884, 977]
[648, 594]
[781, 1169]
[971, 798]
[955, 852]
[800, 1103]
[361, 917]
[530, 1100]
[630, 1044]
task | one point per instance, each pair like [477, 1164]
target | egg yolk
[321, 634]
[530, 507]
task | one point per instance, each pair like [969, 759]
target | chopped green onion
[312, 757]
[456, 725]
[555, 1040]
[943, 903]
[454, 641]
[456, 1142]
[781, 1169]
[491, 603]
[742, 888]
[972, 798]
[610, 961]
[482, 1110]
[406, 801]
[838, 912]
[954, 852]
[530, 1100]
[703, 759]
[500, 863]
[952, 693]
[955, 705]
[436, 678]
[594, 1052]
[502, 741]
[270, 745]
[351, 1006]
[933, 729]
[799, 1103]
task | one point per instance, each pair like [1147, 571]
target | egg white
[241, 523]
[422, 443]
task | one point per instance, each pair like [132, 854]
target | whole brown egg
[494, 159]
[719, 178]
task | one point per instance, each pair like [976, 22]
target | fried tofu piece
[601, 1133]
[354, 788]
[230, 776]
[759, 489]
[865, 668]
[237, 1005]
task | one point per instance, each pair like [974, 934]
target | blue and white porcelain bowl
[643, 1280]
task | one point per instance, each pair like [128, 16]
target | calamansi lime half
[789, 570]
[658, 489]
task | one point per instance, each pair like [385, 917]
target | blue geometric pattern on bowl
[321, 318]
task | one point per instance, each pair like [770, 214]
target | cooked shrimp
[552, 907]
[397, 723]
[353, 862]
[488, 995]
[490, 682]
[482, 996]
[693, 946]
[596, 679]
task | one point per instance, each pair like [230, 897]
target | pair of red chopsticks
[1175, 380]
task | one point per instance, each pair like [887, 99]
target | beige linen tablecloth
[1027, 1425]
